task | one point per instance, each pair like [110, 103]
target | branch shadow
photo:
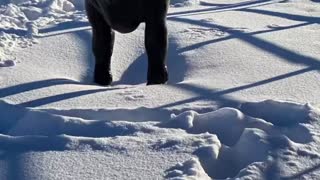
[29, 86]
[220, 8]
[178, 66]
[220, 97]
[293, 17]
[285, 54]
[18, 32]
[62, 97]
[281, 52]
[217, 96]
[15, 165]
[63, 28]
[74, 26]
[202, 3]
[204, 43]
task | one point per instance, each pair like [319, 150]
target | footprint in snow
[132, 95]
[197, 32]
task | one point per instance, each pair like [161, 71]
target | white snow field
[242, 101]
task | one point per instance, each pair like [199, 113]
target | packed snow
[242, 101]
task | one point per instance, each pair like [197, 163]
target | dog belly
[123, 16]
[125, 27]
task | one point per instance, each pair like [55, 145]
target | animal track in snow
[133, 95]
[203, 33]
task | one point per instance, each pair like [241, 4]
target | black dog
[124, 16]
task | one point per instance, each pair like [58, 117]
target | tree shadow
[229, 37]
[220, 8]
[237, 34]
[293, 17]
[29, 86]
[137, 70]
[202, 3]
[15, 165]
[63, 28]
[63, 97]
[176, 64]
[287, 55]
[283, 53]
[220, 96]
[18, 32]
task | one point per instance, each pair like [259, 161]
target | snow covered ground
[242, 101]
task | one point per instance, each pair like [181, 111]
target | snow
[242, 101]
[184, 3]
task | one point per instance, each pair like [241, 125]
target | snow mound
[31, 129]
[245, 140]
[225, 143]
[220, 122]
[35, 122]
[279, 113]
[189, 170]
[20, 20]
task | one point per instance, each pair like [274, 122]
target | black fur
[124, 16]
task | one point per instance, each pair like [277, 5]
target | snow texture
[242, 101]
[240, 140]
